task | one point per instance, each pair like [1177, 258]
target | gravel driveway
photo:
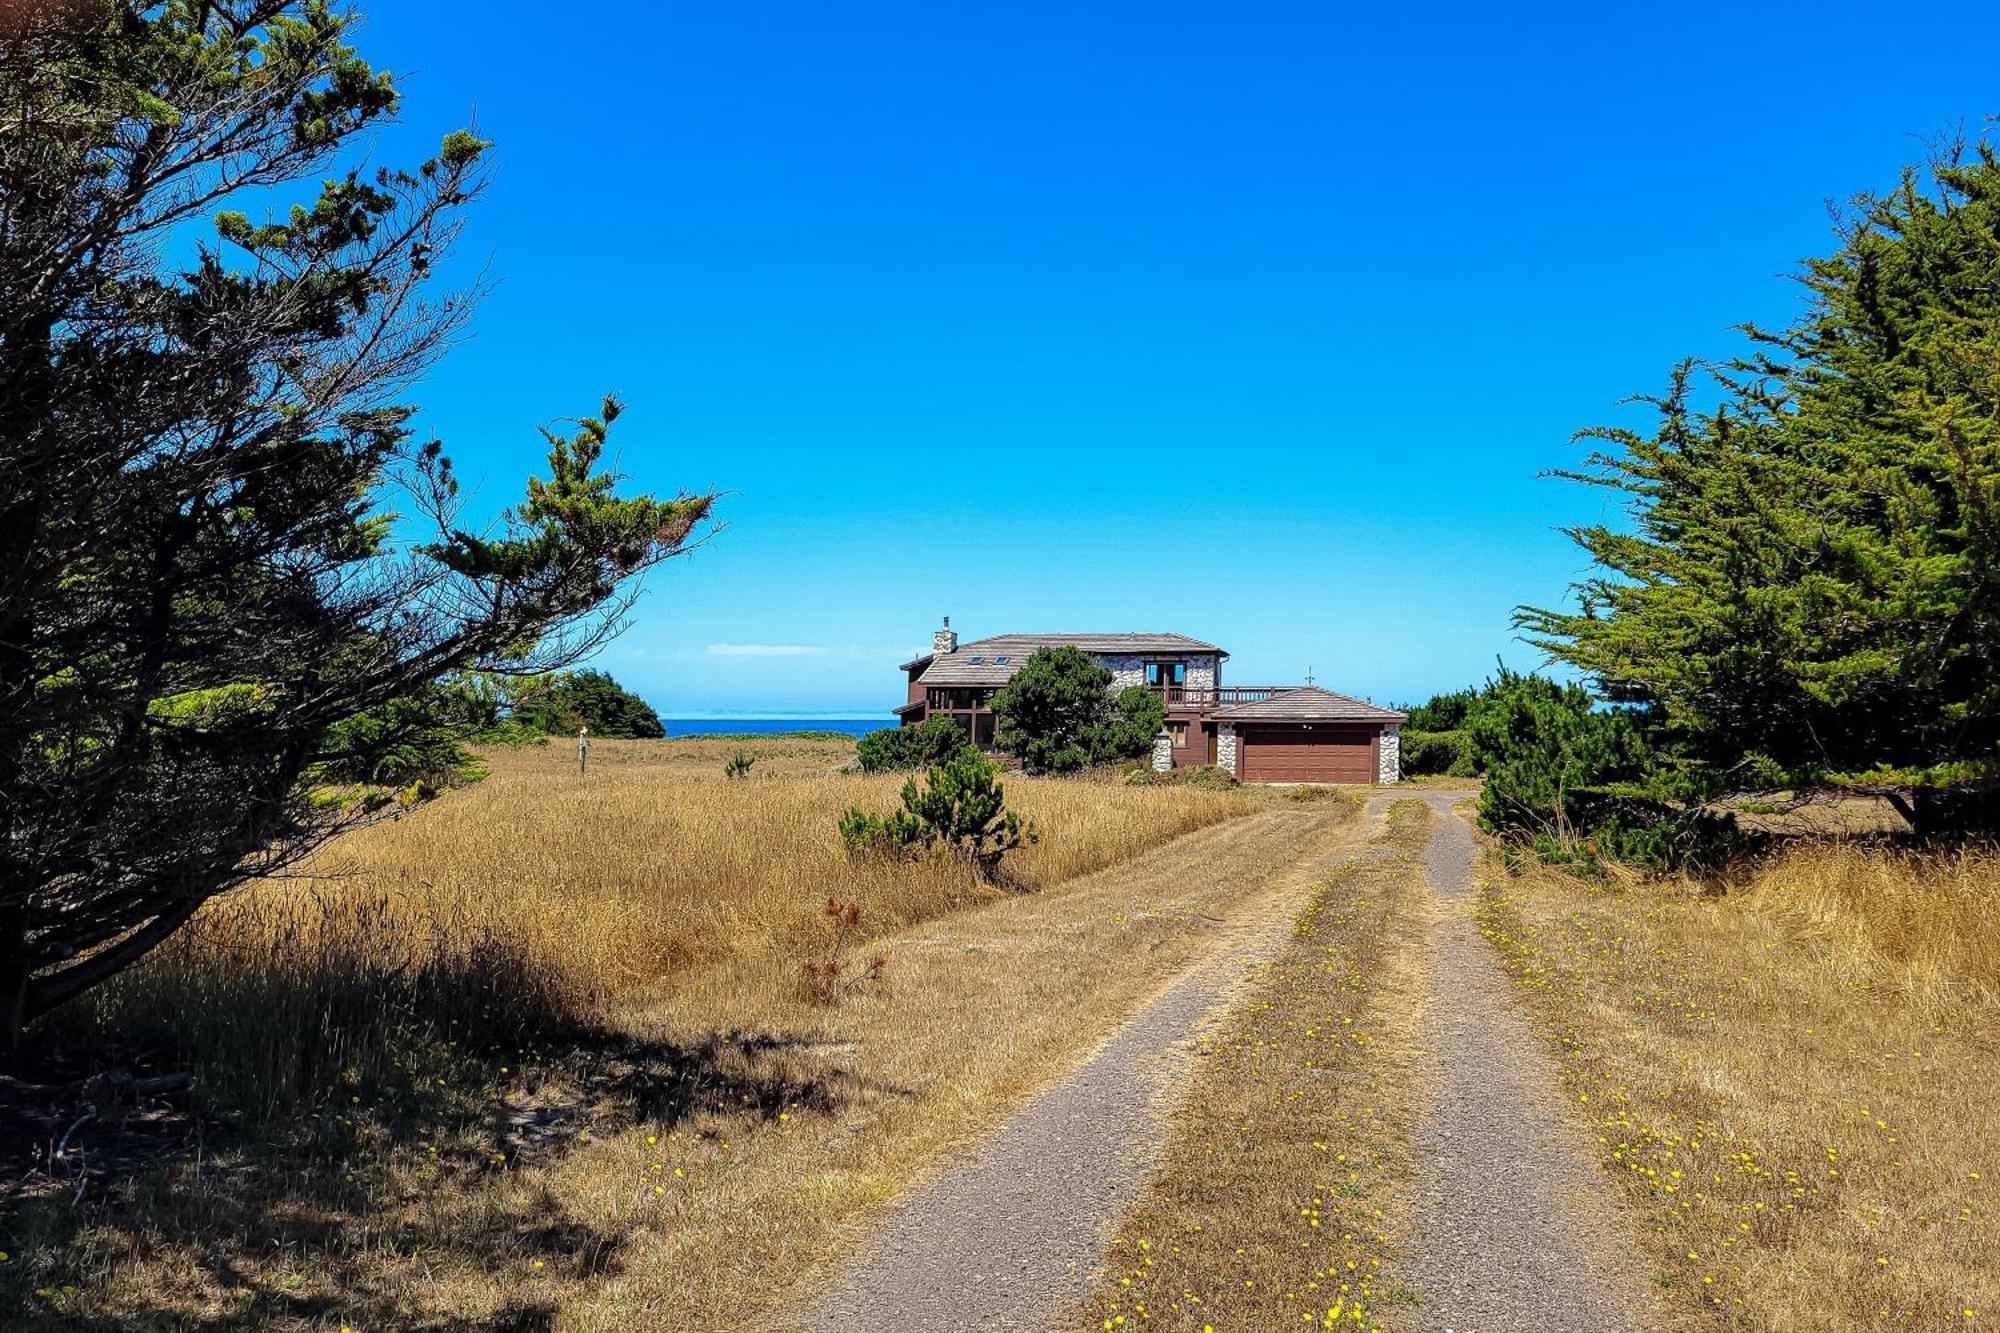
[1513, 1232]
[1008, 1239]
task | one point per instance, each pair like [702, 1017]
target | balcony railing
[1206, 698]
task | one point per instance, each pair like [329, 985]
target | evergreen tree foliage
[1058, 714]
[1550, 755]
[961, 809]
[1433, 736]
[563, 703]
[1136, 716]
[229, 574]
[1579, 782]
[1442, 712]
[1807, 587]
[1437, 752]
[899, 749]
[414, 742]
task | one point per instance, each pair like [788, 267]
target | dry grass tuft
[296, 1000]
[1926, 924]
[1282, 1190]
[1792, 1081]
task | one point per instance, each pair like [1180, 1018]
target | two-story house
[1261, 733]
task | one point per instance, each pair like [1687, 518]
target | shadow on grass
[327, 1218]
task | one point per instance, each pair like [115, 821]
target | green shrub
[1434, 740]
[738, 764]
[1444, 712]
[1548, 753]
[895, 834]
[1429, 752]
[960, 809]
[1202, 777]
[1581, 784]
[900, 749]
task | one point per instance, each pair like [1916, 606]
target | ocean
[765, 726]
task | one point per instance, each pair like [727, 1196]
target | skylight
[977, 660]
[998, 661]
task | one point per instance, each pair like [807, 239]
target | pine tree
[203, 447]
[1550, 755]
[1058, 713]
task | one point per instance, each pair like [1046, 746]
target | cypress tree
[1807, 590]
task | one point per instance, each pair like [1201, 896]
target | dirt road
[1510, 1235]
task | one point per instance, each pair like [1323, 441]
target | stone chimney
[945, 641]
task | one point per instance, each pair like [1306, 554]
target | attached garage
[1307, 752]
[1310, 735]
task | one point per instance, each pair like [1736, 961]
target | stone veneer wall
[1128, 669]
[1163, 752]
[1391, 769]
[1225, 748]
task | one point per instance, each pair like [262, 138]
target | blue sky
[1254, 322]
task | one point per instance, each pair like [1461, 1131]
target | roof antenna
[1309, 673]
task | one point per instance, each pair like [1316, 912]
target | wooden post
[582, 749]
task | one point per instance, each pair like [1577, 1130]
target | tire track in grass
[1280, 1196]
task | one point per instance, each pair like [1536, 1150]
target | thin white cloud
[764, 650]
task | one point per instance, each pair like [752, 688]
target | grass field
[539, 1054]
[1792, 1083]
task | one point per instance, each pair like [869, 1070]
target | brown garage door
[1307, 752]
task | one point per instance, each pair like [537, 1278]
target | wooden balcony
[1206, 699]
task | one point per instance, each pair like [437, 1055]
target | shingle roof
[1309, 703]
[994, 661]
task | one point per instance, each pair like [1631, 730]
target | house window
[1166, 673]
[941, 699]
[1177, 730]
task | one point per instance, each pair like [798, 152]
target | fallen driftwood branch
[113, 1085]
[62, 1149]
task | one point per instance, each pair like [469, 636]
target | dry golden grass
[1926, 926]
[1821, 816]
[983, 1010]
[421, 1130]
[652, 867]
[1281, 1194]
[1793, 1082]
